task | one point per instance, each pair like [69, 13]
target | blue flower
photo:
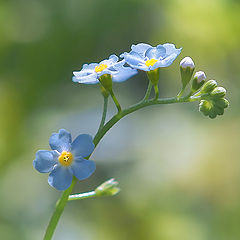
[145, 57]
[66, 159]
[90, 73]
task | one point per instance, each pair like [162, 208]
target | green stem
[62, 201]
[58, 211]
[156, 91]
[115, 101]
[148, 92]
[80, 196]
[105, 105]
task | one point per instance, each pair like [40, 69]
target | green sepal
[153, 76]
[196, 84]
[106, 81]
[186, 75]
[104, 92]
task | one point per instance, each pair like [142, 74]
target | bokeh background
[179, 171]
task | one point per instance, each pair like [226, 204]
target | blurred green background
[179, 171]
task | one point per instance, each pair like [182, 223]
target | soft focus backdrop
[179, 171]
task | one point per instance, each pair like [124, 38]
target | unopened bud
[218, 92]
[209, 86]
[108, 188]
[198, 80]
[186, 68]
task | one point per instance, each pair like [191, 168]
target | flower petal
[45, 160]
[123, 74]
[60, 178]
[156, 53]
[141, 48]
[133, 59]
[83, 168]
[170, 49]
[89, 79]
[82, 145]
[60, 141]
[112, 59]
[165, 62]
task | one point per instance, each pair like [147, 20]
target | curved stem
[115, 101]
[148, 92]
[64, 198]
[105, 105]
[58, 211]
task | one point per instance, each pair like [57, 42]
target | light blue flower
[90, 73]
[66, 159]
[145, 57]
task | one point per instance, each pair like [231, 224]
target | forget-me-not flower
[145, 57]
[90, 73]
[66, 159]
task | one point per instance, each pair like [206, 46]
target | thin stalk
[58, 211]
[115, 101]
[104, 113]
[64, 198]
[80, 196]
[148, 92]
[156, 91]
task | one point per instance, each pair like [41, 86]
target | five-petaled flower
[145, 57]
[66, 159]
[90, 73]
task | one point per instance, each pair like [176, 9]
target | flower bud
[186, 68]
[209, 86]
[218, 92]
[198, 80]
[108, 188]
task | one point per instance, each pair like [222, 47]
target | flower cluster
[141, 57]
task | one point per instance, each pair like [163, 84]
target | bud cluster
[213, 103]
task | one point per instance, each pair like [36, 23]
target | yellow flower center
[101, 67]
[150, 62]
[65, 159]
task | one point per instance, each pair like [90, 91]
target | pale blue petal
[156, 53]
[112, 59]
[141, 48]
[45, 160]
[170, 49]
[89, 79]
[60, 178]
[133, 59]
[124, 74]
[82, 145]
[61, 141]
[83, 168]
[165, 62]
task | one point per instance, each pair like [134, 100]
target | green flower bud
[108, 188]
[186, 69]
[209, 86]
[218, 92]
[198, 80]
[106, 81]
[213, 107]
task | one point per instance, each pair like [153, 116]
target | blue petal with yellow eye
[66, 160]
